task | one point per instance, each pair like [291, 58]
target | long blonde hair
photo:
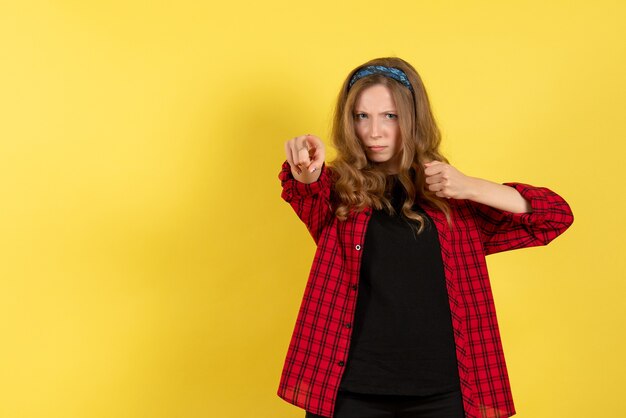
[359, 183]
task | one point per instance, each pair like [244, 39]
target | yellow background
[149, 268]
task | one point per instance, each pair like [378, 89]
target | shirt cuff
[539, 198]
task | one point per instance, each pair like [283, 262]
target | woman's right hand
[305, 155]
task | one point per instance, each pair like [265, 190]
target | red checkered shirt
[320, 343]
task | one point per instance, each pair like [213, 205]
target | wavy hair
[359, 183]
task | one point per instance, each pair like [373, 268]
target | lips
[377, 148]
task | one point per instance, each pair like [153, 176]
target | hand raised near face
[448, 182]
[305, 155]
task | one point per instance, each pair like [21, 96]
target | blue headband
[390, 72]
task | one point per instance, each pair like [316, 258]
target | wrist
[476, 188]
[305, 176]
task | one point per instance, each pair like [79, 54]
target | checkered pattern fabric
[320, 343]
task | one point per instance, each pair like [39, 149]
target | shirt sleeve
[311, 202]
[501, 230]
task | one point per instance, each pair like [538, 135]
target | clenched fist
[446, 181]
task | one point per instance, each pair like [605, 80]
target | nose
[375, 128]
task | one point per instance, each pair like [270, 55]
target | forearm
[498, 196]
[310, 201]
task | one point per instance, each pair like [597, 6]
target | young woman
[397, 318]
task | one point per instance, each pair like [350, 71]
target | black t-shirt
[402, 342]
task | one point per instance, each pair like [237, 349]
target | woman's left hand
[448, 182]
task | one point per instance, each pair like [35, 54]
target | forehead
[375, 97]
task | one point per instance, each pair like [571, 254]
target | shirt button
[353, 287]
[358, 247]
[348, 325]
[341, 363]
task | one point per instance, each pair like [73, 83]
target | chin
[381, 163]
[378, 159]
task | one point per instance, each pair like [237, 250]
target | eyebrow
[384, 111]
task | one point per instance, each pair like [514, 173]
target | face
[376, 125]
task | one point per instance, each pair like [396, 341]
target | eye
[391, 116]
[360, 116]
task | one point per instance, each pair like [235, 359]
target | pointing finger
[289, 155]
[303, 157]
